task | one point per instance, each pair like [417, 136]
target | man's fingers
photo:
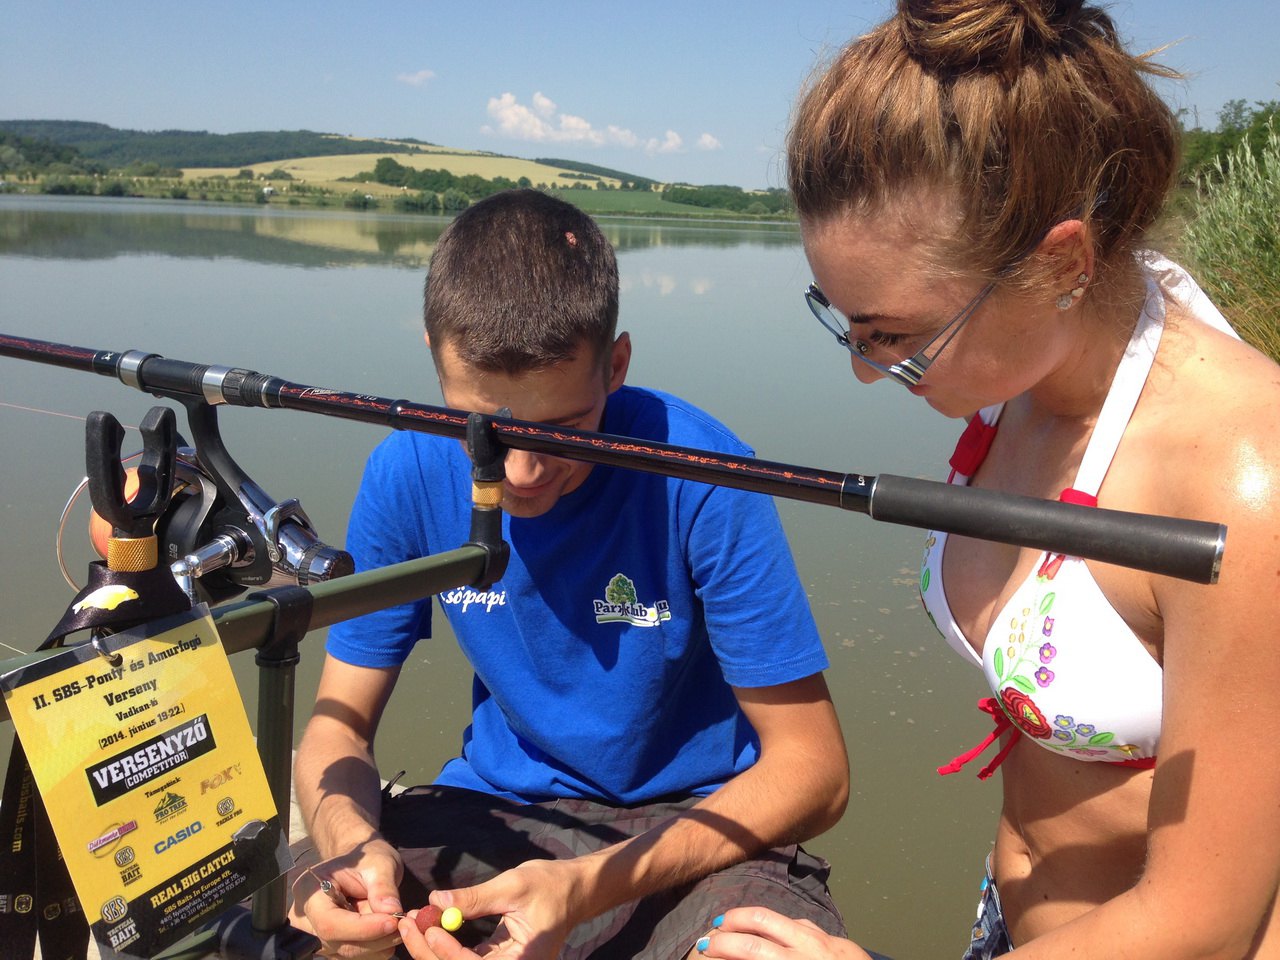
[382, 895]
[435, 944]
[334, 924]
[414, 942]
[346, 933]
[444, 946]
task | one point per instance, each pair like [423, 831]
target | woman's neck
[1101, 326]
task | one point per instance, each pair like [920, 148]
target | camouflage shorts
[451, 837]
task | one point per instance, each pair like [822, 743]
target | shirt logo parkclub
[621, 605]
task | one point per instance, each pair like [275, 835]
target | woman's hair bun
[990, 35]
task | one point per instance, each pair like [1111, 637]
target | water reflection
[102, 228]
[333, 299]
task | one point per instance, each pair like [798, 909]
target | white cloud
[416, 79]
[544, 106]
[576, 128]
[516, 120]
[542, 122]
[671, 143]
[623, 138]
[708, 142]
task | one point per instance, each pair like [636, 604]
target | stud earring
[1065, 300]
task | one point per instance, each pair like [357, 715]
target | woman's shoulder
[1210, 422]
[1205, 372]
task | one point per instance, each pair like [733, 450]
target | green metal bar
[246, 624]
[260, 934]
[275, 749]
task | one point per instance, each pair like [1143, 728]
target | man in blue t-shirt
[651, 733]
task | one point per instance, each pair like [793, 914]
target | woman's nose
[864, 371]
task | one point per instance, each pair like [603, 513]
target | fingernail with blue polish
[702, 944]
[717, 921]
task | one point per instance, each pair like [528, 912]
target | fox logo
[106, 598]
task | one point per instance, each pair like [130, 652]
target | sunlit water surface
[334, 299]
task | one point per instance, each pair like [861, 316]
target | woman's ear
[1067, 252]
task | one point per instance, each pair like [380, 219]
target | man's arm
[338, 791]
[797, 788]
[335, 775]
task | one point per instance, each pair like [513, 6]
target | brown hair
[1027, 112]
[519, 281]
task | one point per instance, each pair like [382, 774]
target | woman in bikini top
[975, 181]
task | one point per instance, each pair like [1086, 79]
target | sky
[697, 91]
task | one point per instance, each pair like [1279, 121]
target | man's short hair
[519, 281]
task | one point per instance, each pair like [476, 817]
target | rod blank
[1186, 549]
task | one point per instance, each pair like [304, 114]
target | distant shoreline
[371, 198]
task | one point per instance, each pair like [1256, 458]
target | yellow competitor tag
[151, 779]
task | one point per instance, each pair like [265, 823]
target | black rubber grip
[1187, 549]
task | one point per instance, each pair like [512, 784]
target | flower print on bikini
[1025, 670]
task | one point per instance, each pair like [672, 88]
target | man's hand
[539, 903]
[355, 917]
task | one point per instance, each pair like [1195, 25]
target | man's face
[569, 394]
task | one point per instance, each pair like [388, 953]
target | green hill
[195, 148]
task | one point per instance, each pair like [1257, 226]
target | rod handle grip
[1170, 546]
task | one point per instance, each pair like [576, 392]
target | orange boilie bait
[428, 916]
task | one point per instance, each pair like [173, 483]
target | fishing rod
[1186, 549]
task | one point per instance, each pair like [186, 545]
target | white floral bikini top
[1067, 672]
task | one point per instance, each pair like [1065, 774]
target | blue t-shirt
[604, 656]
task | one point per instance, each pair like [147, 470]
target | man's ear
[1067, 250]
[619, 360]
[427, 338]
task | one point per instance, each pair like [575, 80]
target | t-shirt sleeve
[385, 527]
[757, 614]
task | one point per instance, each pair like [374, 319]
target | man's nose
[525, 469]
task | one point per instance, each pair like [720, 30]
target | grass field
[328, 172]
[631, 202]
[326, 181]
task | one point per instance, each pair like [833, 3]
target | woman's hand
[754, 933]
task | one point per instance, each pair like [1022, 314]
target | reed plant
[1232, 239]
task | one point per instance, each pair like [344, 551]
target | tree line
[114, 148]
[626, 181]
[1239, 123]
[720, 197]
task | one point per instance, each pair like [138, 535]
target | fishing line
[71, 501]
[54, 413]
[75, 494]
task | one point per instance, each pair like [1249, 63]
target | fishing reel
[217, 530]
[217, 548]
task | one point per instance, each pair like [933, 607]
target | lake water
[333, 299]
